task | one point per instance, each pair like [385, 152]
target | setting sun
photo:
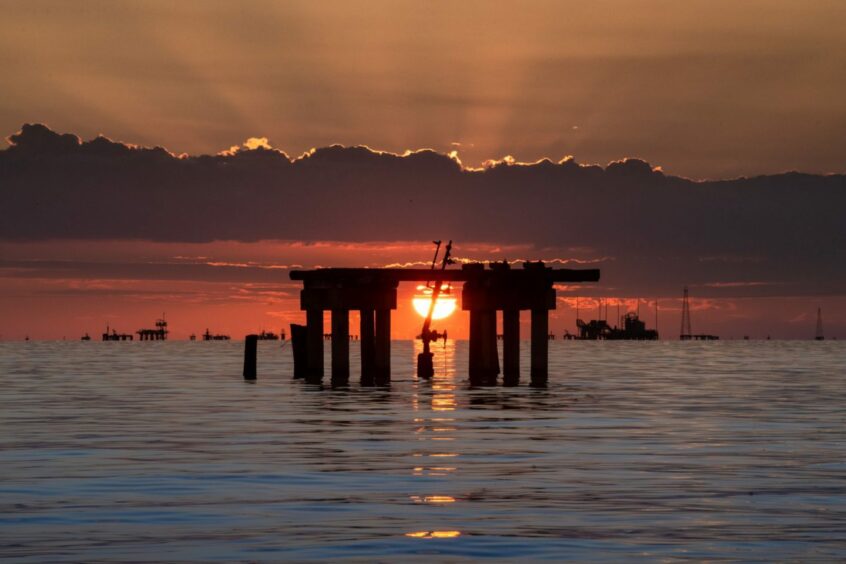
[444, 306]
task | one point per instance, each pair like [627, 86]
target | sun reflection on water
[434, 534]
[433, 401]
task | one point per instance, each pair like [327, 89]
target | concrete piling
[250, 356]
[367, 331]
[540, 348]
[383, 347]
[299, 344]
[511, 347]
[314, 346]
[340, 347]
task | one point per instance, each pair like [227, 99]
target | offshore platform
[373, 292]
[686, 333]
[631, 329]
[157, 334]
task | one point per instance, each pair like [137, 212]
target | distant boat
[85, 337]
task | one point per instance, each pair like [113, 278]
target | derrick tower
[686, 332]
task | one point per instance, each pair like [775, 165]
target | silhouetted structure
[86, 337]
[425, 360]
[115, 336]
[267, 336]
[373, 292]
[157, 334]
[299, 344]
[207, 336]
[250, 356]
[819, 336]
[686, 333]
[633, 329]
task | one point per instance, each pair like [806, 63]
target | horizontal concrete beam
[392, 276]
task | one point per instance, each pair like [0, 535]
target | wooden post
[383, 347]
[511, 347]
[340, 347]
[540, 347]
[314, 340]
[368, 347]
[250, 354]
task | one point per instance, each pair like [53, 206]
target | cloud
[39, 140]
[785, 232]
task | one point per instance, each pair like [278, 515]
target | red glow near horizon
[240, 288]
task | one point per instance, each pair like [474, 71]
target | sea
[636, 451]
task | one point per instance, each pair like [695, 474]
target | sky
[243, 140]
[705, 89]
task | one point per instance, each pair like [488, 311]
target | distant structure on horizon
[819, 334]
[686, 333]
[631, 329]
[157, 334]
[113, 335]
[268, 336]
[207, 336]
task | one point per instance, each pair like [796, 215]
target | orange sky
[714, 88]
[702, 89]
[71, 287]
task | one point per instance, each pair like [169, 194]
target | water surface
[140, 451]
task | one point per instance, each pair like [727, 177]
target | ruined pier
[485, 292]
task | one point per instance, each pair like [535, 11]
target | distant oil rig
[631, 328]
[112, 335]
[686, 334]
[157, 334]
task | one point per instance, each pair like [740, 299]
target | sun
[444, 306]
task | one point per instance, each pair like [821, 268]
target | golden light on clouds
[686, 85]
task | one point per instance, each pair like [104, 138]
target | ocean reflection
[433, 534]
[432, 401]
[682, 450]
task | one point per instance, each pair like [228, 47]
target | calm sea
[667, 450]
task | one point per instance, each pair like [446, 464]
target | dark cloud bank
[783, 234]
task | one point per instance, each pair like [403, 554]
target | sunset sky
[446, 110]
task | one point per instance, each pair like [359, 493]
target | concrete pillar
[340, 347]
[314, 348]
[299, 346]
[475, 361]
[511, 347]
[367, 332]
[540, 347]
[250, 355]
[383, 347]
[484, 360]
[490, 355]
